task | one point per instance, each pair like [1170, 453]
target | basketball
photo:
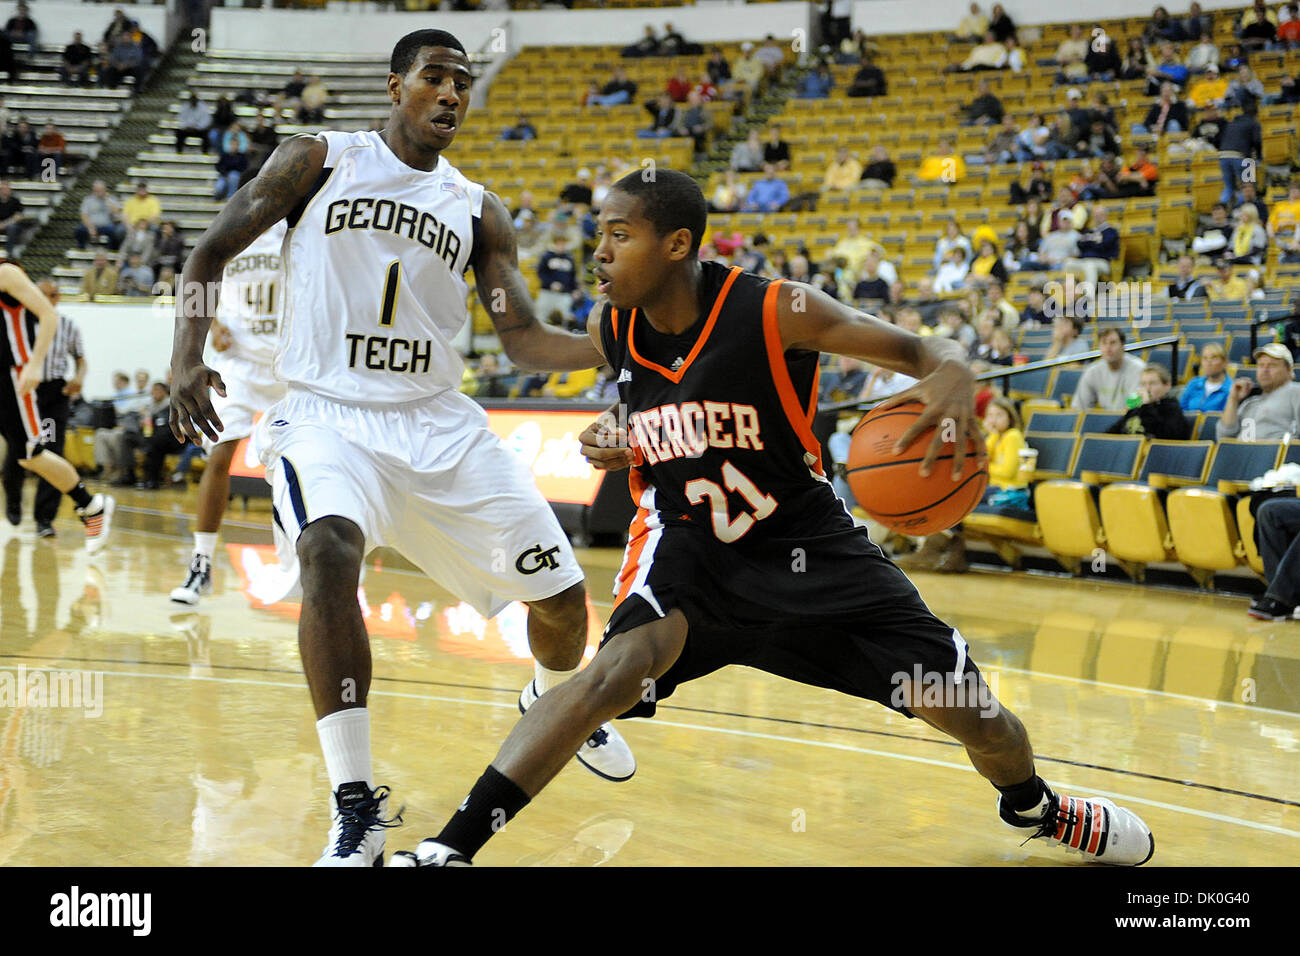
[890, 488]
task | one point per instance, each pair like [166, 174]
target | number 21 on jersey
[727, 529]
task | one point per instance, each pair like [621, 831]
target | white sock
[205, 542]
[345, 742]
[546, 678]
[1034, 813]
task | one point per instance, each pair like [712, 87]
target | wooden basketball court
[1174, 704]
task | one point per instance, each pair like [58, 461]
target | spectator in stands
[1067, 340]
[1166, 70]
[704, 86]
[51, 146]
[1021, 254]
[313, 99]
[768, 194]
[1202, 56]
[1139, 177]
[578, 193]
[817, 85]
[1277, 530]
[695, 121]
[559, 277]
[1226, 286]
[1138, 61]
[1257, 27]
[1035, 310]
[21, 28]
[771, 55]
[729, 195]
[1286, 214]
[136, 278]
[985, 110]
[1001, 25]
[11, 218]
[1098, 248]
[99, 218]
[1098, 141]
[843, 172]
[664, 118]
[1240, 145]
[125, 58]
[648, 45]
[1115, 377]
[99, 279]
[951, 238]
[747, 74]
[169, 253]
[1208, 90]
[18, 146]
[943, 165]
[869, 80]
[1244, 88]
[262, 139]
[1212, 234]
[776, 151]
[1206, 133]
[989, 54]
[1288, 31]
[986, 269]
[880, 172]
[747, 156]
[1158, 415]
[1208, 392]
[143, 205]
[846, 382]
[120, 24]
[951, 274]
[223, 114]
[1250, 197]
[1186, 285]
[1071, 55]
[853, 246]
[872, 282]
[232, 162]
[138, 242]
[678, 86]
[522, 130]
[1001, 147]
[718, 69]
[1270, 410]
[973, 26]
[1163, 27]
[74, 68]
[617, 91]
[672, 43]
[155, 438]
[291, 95]
[1249, 241]
[1166, 115]
[1102, 59]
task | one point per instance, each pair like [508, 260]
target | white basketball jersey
[375, 267]
[252, 297]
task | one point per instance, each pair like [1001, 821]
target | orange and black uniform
[20, 416]
[737, 525]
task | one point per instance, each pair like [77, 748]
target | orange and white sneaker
[1095, 828]
[98, 519]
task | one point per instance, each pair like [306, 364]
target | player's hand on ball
[948, 395]
[192, 414]
[605, 445]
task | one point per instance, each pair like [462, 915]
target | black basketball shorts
[828, 610]
[24, 430]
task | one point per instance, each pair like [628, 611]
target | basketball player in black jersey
[29, 326]
[717, 373]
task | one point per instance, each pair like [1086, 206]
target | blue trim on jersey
[295, 494]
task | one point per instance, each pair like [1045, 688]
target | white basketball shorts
[428, 479]
[251, 389]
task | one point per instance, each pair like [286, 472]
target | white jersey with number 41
[252, 297]
[375, 264]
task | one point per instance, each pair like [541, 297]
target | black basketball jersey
[20, 332]
[722, 417]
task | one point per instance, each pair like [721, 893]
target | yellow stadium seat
[1067, 508]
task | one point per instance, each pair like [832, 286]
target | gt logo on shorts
[543, 559]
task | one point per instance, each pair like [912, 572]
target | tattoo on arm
[501, 287]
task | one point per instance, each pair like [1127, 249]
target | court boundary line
[735, 732]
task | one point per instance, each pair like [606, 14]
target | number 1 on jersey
[392, 282]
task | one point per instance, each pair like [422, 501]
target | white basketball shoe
[605, 753]
[1095, 828]
[357, 833]
[429, 853]
[197, 583]
[98, 519]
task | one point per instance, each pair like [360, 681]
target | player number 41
[726, 529]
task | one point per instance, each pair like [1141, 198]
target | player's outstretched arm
[15, 283]
[810, 319]
[504, 293]
[287, 178]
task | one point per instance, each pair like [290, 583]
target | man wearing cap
[1226, 287]
[1209, 89]
[1269, 411]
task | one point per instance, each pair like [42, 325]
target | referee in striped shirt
[53, 397]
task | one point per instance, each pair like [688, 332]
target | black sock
[492, 804]
[80, 496]
[1024, 796]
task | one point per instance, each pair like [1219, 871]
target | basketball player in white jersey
[373, 444]
[244, 337]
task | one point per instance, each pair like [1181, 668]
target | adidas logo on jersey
[677, 363]
[624, 375]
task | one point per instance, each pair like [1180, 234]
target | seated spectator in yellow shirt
[944, 165]
[142, 205]
[569, 384]
[854, 247]
[1226, 287]
[1004, 442]
[843, 172]
[1285, 215]
[1211, 88]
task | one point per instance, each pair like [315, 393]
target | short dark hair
[670, 199]
[1123, 339]
[411, 44]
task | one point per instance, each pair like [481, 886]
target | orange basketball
[890, 488]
